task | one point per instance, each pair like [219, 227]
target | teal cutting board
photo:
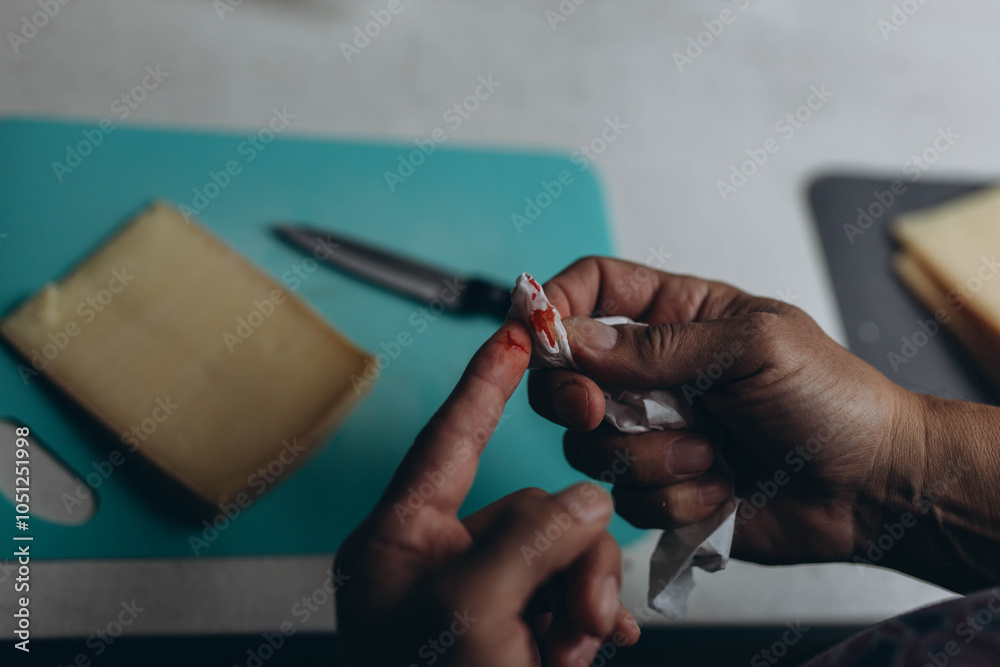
[455, 210]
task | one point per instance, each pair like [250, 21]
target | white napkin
[705, 544]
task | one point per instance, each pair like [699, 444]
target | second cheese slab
[958, 244]
[190, 356]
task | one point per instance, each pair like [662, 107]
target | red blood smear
[511, 343]
[544, 322]
[534, 284]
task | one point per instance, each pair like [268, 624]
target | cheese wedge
[192, 358]
[949, 260]
[958, 245]
[982, 344]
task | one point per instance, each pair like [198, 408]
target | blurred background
[694, 89]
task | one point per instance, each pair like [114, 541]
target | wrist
[931, 507]
[890, 497]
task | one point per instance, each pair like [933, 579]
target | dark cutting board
[877, 309]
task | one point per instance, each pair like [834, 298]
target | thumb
[665, 355]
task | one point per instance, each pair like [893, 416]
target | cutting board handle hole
[55, 493]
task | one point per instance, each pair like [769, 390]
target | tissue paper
[705, 544]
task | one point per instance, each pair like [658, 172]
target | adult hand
[808, 428]
[422, 587]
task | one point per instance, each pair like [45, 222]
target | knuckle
[793, 313]
[764, 323]
[802, 323]
[585, 266]
[528, 515]
[607, 549]
[603, 557]
[641, 469]
[668, 507]
[530, 518]
[652, 345]
[682, 504]
[587, 261]
[768, 333]
[529, 494]
[783, 340]
[526, 510]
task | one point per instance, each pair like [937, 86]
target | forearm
[931, 507]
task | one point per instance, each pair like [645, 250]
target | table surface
[685, 125]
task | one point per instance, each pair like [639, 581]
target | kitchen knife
[420, 282]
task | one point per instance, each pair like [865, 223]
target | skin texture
[836, 454]
[829, 453]
[420, 584]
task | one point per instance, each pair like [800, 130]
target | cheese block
[982, 343]
[194, 359]
[958, 245]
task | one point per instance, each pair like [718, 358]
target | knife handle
[489, 298]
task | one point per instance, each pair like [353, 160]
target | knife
[421, 282]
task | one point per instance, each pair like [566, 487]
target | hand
[802, 422]
[422, 587]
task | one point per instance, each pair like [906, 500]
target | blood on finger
[513, 344]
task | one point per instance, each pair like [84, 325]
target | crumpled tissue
[705, 544]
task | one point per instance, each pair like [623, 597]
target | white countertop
[686, 129]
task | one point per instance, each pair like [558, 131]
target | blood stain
[511, 343]
[544, 322]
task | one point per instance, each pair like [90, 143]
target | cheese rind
[191, 356]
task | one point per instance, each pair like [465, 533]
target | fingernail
[586, 502]
[569, 403]
[591, 334]
[609, 598]
[690, 456]
[712, 493]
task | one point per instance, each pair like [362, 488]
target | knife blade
[418, 281]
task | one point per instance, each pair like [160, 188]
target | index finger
[604, 286]
[440, 467]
